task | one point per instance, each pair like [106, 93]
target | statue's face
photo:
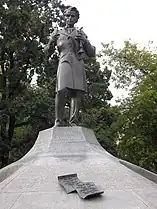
[70, 18]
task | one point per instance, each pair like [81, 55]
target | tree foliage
[97, 113]
[137, 122]
[24, 28]
[129, 64]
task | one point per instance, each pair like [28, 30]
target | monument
[71, 157]
[73, 47]
[32, 182]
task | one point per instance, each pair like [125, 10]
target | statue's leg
[60, 102]
[75, 107]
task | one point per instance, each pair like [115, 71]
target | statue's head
[71, 16]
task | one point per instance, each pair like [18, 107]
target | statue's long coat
[71, 73]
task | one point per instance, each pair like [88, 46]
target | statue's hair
[70, 8]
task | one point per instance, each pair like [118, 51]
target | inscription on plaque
[74, 134]
[68, 182]
[71, 183]
[87, 189]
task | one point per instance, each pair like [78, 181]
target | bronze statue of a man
[73, 46]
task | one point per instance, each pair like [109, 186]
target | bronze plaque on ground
[68, 182]
[87, 189]
[71, 183]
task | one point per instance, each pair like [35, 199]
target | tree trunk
[9, 138]
[3, 116]
[7, 118]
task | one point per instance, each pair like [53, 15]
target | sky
[117, 20]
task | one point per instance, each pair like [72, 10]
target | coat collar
[67, 32]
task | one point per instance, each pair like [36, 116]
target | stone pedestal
[31, 183]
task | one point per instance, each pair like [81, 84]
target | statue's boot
[74, 111]
[60, 102]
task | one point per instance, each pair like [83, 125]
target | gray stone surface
[149, 175]
[7, 200]
[31, 183]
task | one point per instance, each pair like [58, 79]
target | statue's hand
[81, 38]
[55, 34]
[55, 37]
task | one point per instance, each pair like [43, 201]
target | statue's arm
[50, 47]
[89, 49]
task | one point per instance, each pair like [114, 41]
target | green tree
[24, 27]
[97, 113]
[136, 124]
